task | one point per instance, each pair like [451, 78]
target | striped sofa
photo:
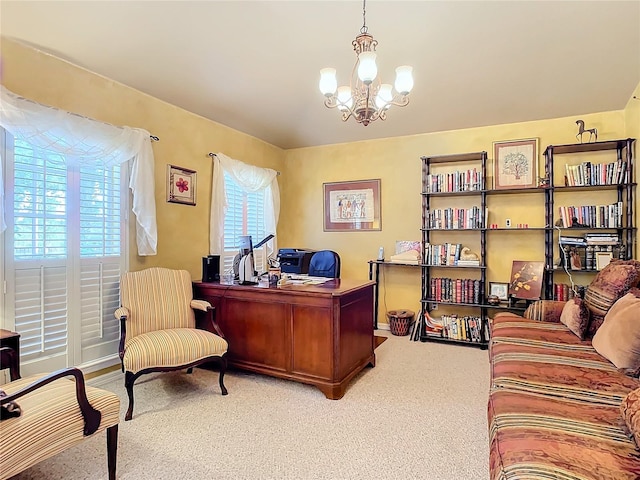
[554, 406]
[56, 414]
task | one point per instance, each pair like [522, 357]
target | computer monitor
[245, 245]
[246, 264]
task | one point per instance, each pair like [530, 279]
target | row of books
[563, 292]
[594, 216]
[588, 173]
[452, 218]
[454, 327]
[447, 254]
[608, 238]
[456, 290]
[458, 181]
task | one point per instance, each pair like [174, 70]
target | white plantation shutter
[41, 312]
[101, 226]
[100, 211]
[64, 258]
[244, 216]
[99, 298]
[39, 246]
[40, 204]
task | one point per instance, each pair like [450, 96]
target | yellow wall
[396, 161]
[185, 140]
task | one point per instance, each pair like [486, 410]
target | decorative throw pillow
[630, 410]
[544, 311]
[611, 283]
[575, 315]
[618, 339]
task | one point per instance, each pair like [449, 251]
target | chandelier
[366, 99]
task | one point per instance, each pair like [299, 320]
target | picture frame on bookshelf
[515, 164]
[500, 290]
[352, 205]
[181, 185]
[526, 279]
[603, 259]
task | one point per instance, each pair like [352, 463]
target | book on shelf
[468, 263]
[406, 245]
[461, 290]
[580, 241]
[602, 238]
[456, 327]
[588, 173]
[433, 327]
[408, 252]
[458, 181]
[592, 216]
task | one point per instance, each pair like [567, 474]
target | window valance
[251, 179]
[86, 142]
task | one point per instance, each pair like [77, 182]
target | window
[65, 248]
[244, 216]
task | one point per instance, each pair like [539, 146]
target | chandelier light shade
[366, 99]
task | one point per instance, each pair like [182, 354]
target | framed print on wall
[181, 185]
[353, 205]
[515, 164]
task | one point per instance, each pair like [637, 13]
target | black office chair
[325, 263]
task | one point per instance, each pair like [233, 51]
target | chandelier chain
[364, 28]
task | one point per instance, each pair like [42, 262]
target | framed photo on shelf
[603, 259]
[500, 290]
[352, 205]
[526, 279]
[515, 164]
[181, 185]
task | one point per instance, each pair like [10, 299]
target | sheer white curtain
[83, 141]
[251, 179]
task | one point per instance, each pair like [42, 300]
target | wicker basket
[400, 321]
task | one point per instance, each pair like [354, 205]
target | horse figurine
[582, 131]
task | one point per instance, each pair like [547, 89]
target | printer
[294, 260]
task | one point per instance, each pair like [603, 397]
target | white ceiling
[254, 65]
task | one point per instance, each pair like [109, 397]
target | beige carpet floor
[419, 414]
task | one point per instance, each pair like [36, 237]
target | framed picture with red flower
[526, 279]
[181, 185]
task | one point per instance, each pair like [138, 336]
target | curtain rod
[211, 154]
[153, 137]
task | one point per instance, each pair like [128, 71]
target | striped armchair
[158, 327]
[45, 415]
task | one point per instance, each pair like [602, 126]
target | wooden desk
[316, 334]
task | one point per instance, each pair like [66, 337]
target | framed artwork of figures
[352, 205]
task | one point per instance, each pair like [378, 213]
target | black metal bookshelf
[623, 191]
[475, 188]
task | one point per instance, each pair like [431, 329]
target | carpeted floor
[419, 414]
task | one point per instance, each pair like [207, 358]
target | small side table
[12, 362]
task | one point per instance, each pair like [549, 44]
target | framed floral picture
[515, 164]
[526, 279]
[181, 185]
